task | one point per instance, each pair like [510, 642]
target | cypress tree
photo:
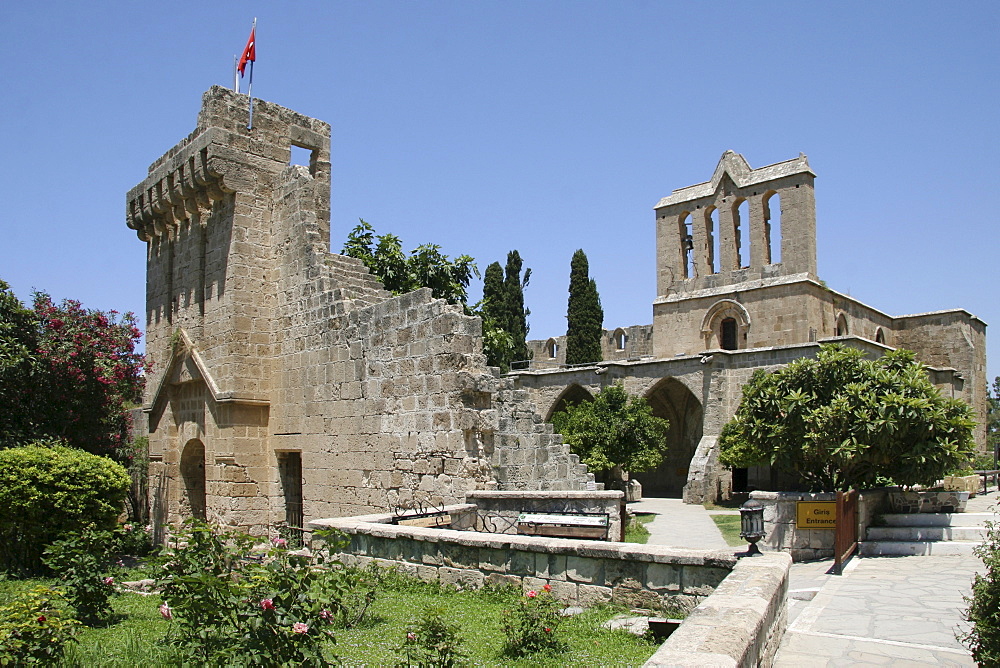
[516, 317]
[584, 315]
[494, 314]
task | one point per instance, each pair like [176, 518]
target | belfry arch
[193, 501]
[672, 400]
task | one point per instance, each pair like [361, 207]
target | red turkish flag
[249, 51]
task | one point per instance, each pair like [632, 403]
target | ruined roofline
[741, 173]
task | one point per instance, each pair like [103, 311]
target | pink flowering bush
[69, 373]
[231, 605]
[530, 625]
[433, 641]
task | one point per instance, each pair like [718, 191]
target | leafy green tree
[425, 267]
[843, 421]
[615, 430]
[68, 373]
[18, 349]
[584, 315]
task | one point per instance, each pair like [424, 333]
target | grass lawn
[136, 636]
[636, 532]
[729, 525]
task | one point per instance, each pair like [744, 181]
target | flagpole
[236, 73]
[253, 31]
[250, 95]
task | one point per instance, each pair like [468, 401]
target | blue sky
[540, 126]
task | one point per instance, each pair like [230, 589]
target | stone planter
[962, 483]
[928, 502]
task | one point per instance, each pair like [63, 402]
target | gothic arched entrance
[193, 475]
[670, 399]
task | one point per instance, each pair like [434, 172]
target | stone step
[936, 519]
[885, 548]
[923, 533]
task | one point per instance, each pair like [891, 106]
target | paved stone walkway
[679, 524]
[884, 611]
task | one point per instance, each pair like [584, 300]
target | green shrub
[531, 625]
[233, 604]
[33, 629]
[48, 491]
[433, 641]
[983, 639]
[83, 563]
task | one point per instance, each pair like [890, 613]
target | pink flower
[127, 527]
[411, 636]
[109, 581]
[532, 594]
[547, 587]
[326, 615]
[299, 627]
[267, 604]
[166, 611]
[279, 542]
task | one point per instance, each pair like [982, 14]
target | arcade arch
[571, 396]
[672, 400]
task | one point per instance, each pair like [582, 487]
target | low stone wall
[805, 544]
[928, 502]
[498, 510]
[740, 624]
[580, 572]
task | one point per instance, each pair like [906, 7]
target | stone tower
[287, 384]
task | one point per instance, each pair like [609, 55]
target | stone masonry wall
[267, 346]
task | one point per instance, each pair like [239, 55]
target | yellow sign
[816, 515]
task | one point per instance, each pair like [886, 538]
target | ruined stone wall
[622, 343]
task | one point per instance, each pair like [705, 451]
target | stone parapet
[580, 572]
[740, 624]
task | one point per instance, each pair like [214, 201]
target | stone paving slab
[888, 611]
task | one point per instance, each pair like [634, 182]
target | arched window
[553, 348]
[772, 228]
[621, 339]
[726, 325]
[880, 336]
[842, 325]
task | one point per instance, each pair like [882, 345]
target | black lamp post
[752, 525]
